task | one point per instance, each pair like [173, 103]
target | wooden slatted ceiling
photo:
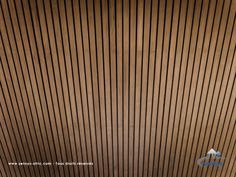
[139, 88]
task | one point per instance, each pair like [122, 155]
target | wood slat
[137, 88]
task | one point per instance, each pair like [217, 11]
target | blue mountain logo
[213, 158]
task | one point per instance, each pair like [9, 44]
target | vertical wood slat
[139, 88]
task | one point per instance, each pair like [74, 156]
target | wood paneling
[138, 88]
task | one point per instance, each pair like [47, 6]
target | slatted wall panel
[138, 87]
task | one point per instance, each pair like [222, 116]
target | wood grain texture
[137, 87]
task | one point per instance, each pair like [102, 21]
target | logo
[213, 158]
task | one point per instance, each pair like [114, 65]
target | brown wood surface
[138, 87]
